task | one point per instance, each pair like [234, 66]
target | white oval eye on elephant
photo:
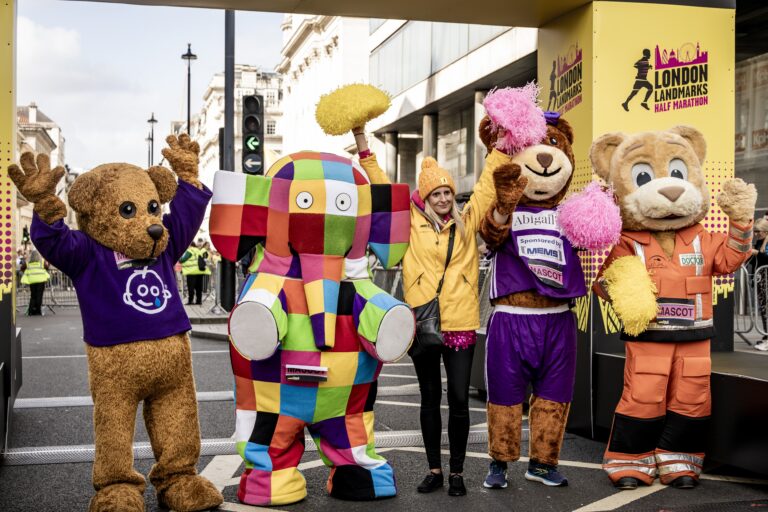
[304, 200]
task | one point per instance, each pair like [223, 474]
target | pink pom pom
[590, 219]
[517, 111]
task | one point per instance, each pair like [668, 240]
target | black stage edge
[739, 392]
[10, 360]
[737, 433]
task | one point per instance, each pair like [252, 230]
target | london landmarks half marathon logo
[565, 81]
[680, 78]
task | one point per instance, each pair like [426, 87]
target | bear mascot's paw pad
[189, 494]
[118, 498]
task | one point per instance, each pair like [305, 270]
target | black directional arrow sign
[252, 142]
[252, 163]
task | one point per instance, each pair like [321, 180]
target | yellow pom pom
[429, 162]
[632, 292]
[349, 107]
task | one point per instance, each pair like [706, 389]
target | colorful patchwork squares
[314, 214]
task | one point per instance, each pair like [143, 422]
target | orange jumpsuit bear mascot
[659, 280]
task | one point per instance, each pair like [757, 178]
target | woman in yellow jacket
[433, 213]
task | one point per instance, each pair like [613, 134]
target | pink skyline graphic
[562, 61]
[685, 55]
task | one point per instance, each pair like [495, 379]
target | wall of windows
[751, 144]
[420, 48]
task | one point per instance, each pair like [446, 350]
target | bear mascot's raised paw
[135, 327]
[310, 330]
[536, 274]
[659, 280]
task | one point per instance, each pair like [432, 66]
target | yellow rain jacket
[424, 261]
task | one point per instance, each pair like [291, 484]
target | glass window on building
[387, 64]
[271, 125]
[374, 24]
[419, 49]
[751, 143]
[449, 42]
[415, 64]
[270, 99]
[455, 146]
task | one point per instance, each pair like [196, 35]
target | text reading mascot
[134, 324]
[310, 330]
[659, 280]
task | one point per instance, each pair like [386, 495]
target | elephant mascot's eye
[128, 210]
[343, 202]
[304, 200]
[642, 173]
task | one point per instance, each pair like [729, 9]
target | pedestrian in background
[443, 252]
[35, 275]
[760, 259]
[194, 265]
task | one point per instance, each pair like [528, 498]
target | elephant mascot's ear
[239, 212]
[390, 222]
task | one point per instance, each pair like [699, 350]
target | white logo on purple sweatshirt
[145, 291]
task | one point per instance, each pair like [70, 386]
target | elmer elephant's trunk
[321, 274]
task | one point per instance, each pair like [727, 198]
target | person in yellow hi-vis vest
[35, 275]
[194, 265]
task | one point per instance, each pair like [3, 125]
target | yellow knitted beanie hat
[433, 176]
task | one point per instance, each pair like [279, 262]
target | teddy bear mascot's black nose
[155, 231]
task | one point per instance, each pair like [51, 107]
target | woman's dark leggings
[458, 366]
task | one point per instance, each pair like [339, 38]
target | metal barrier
[60, 292]
[751, 297]
[391, 281]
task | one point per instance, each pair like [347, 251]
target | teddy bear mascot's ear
[83, 192]
[165, 182]
[694, 137]
[565, 127]
[602, 151]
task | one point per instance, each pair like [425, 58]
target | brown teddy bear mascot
[134, 324]
[536, 274]
[659, 280]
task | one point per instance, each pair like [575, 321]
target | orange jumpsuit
[659, 426]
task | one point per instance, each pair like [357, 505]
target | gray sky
[99, 70]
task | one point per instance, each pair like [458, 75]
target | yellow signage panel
[7, 145]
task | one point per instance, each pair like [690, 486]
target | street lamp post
[149, 150]
[152, 122]
[189, 57]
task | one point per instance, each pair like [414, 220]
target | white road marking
[220, 470]
[387, 365]
[395, 376]
[416, 404]
[622, 498]
[239, 507]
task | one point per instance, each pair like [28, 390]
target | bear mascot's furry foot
[189, 493]
[118, 498]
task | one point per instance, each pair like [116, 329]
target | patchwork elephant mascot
[310, 330]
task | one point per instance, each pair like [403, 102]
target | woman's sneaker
[497, 477]
[431, 482]
[546, 474]
[762, 345]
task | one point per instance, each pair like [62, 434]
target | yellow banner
[621, 66]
